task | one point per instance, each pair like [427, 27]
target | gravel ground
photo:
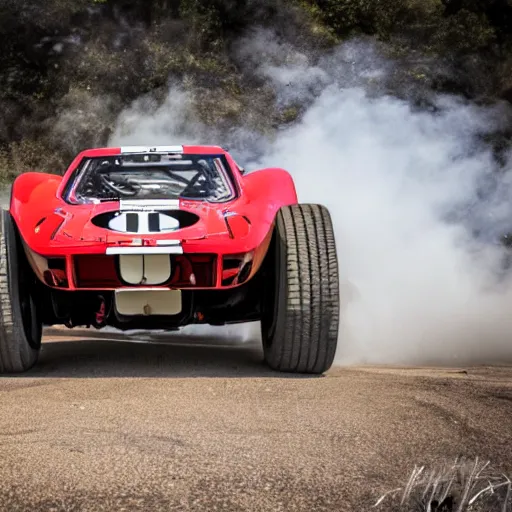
[106, 425]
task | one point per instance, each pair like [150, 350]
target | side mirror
[242, 170]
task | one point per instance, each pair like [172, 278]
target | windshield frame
[80, 172]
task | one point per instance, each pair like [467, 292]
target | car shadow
[92, 354]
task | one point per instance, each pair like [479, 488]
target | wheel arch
[29, 190]
[274, 184]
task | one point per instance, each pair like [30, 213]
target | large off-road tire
[301, 303]
[20, 325]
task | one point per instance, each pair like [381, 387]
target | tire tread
[16, 355]
[306, 334]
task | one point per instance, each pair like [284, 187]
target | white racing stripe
[152, 269]
[162, 249]
[152, 149]
[149, 204]
[143, 223]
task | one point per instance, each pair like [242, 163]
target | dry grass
[463, 486]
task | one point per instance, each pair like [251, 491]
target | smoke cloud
[416, 197]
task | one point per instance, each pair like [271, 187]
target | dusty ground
[104, 425]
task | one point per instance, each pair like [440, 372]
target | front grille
[187, 271]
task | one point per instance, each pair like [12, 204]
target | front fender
[274, 184]
[32, 194]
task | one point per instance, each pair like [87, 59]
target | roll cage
[150, 176]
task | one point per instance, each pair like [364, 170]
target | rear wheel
[20, 324]
[300, 305]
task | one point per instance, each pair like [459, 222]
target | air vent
[145, 222]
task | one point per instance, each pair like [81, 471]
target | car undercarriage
[97, 308]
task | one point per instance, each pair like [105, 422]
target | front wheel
[301, 303]
[20, 324]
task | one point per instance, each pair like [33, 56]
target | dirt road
[103, 425]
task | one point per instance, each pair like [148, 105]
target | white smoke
[418, 290]
[403, 190]
[146, 120]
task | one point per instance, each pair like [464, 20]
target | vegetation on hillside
[69, 67]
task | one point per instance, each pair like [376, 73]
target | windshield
[150, 176]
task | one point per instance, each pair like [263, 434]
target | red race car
[162, 237]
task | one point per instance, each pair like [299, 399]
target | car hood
[99, 223]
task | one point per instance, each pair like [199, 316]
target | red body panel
[52, 228]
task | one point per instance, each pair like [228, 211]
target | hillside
[69, 67]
